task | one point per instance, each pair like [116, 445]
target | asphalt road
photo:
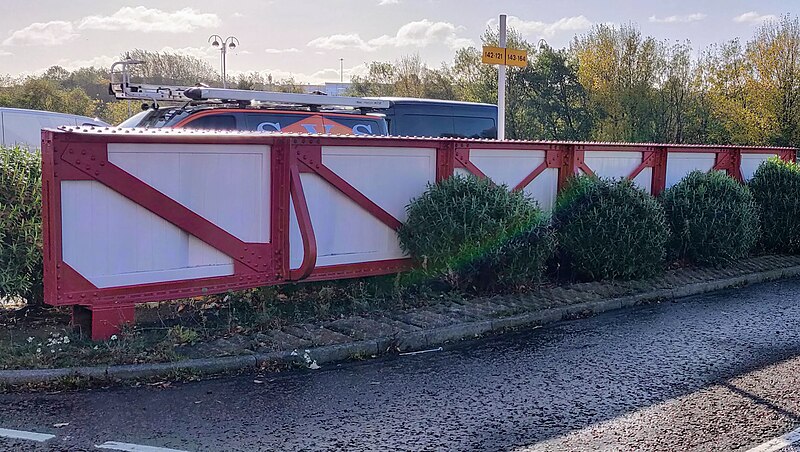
[718, 372]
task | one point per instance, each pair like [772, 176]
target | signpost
[503, 57]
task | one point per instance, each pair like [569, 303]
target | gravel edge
[404, 342]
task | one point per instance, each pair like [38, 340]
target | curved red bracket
[306, 228]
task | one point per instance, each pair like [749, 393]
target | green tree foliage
[619, 68]
[774, 55]
[609, 229]
[171, 69]
[470, 232]
[406, 77]
[713, 218]
[775, 185]
[45, 94]
[20, 225]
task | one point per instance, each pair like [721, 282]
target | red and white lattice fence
[132, 216]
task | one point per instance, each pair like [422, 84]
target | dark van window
[466, 127]
[423, 126]
[213, 122]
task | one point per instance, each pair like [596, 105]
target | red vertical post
[102, 322]
[445, 160]
[659, 178]
[282, 158]
[789, 155]
[569, 165]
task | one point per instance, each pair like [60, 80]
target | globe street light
[224, 44]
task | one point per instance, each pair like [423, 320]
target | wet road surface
[715, 372]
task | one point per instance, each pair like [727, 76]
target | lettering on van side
[358, 129]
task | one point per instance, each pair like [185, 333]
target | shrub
[776, 189]
[465, 231]
[713, 218]
[518, 262]
[609, 229]
[20, 225]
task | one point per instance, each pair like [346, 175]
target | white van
[20, 127]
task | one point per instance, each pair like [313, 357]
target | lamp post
[223, 44]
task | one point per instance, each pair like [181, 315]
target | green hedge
[609, 229]
[776, 190]
[470, 232]
[713, 218]
[20, 225]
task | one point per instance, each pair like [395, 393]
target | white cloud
[753, 17]
[5, 53]
[102, 61]
[237, 15]
[421, 34]
[315, 78]
[459, 43]
[203, 53]
[42, 34]
[388, 2]
[341, 41]
[545, 29]
[147, 20]
[678, 19]
[291, 50]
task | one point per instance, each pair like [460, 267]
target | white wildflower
[30, 339]
[113, 337]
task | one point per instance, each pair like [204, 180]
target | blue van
[440, 118]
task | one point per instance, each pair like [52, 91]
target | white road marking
[779, 442]
[127, 447]
[21, 434]
[422, 351]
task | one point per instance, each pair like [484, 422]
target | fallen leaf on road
[258, 382]
[62, 424]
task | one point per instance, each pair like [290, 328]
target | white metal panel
[679, 164]
[389, 177]
[544, 188]
[645, 180]
[345, 232]
[618, 164]
[750, 163]
[511, 166]
[227, 184]
[24, 128]
[506, 166]
[112, 241]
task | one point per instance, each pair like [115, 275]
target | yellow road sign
[509, 57]
[516, 57]
[494, 55]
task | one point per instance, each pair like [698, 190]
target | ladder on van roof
[122, 88]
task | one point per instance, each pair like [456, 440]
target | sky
[309, 40]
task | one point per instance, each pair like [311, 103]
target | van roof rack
[122, 88]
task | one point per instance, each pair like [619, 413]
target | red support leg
[102, 322]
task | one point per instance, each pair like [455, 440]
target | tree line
[615, 84]
[610, 84]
